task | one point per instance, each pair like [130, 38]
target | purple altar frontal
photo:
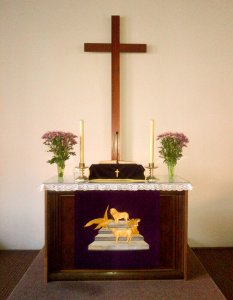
[117, 246]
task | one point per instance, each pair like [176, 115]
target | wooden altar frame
[173, 247]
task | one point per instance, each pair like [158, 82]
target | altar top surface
[161, 184]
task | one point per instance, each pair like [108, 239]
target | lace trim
[173, 186]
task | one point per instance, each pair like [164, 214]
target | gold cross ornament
[117, 172]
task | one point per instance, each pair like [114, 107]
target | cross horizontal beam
[105, 47]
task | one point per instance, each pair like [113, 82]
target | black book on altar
[116, 171]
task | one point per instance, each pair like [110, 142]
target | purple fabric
[131, 171]
[139, 204]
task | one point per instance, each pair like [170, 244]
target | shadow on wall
[2, 247]
[195, 244]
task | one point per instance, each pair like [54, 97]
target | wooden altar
[60, 230]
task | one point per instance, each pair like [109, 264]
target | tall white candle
[81, 133]
[152, 142]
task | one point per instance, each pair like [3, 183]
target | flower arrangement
[61, 145]
[171, 149]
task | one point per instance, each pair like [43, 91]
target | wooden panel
[167, 231]
[60, 231]
[53, 231]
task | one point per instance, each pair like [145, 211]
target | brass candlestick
[80, 177]
[151, 177]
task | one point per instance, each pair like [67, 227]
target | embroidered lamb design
[122, 233]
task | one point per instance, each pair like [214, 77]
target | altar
[121, 220]
[77, 251]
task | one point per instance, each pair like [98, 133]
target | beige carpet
[199, 286]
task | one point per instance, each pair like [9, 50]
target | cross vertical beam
[115, 85]
[115, 48]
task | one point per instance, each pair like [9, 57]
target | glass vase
[171, 170]
[60, 171]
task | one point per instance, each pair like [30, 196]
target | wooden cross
[115, 47]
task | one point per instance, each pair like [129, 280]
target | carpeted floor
[219, 264]
[13, 264]
[199, 286]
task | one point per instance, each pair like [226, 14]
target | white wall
[184, 82]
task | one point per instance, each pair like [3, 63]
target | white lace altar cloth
[161, 184]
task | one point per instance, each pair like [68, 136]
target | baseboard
[212, 248]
